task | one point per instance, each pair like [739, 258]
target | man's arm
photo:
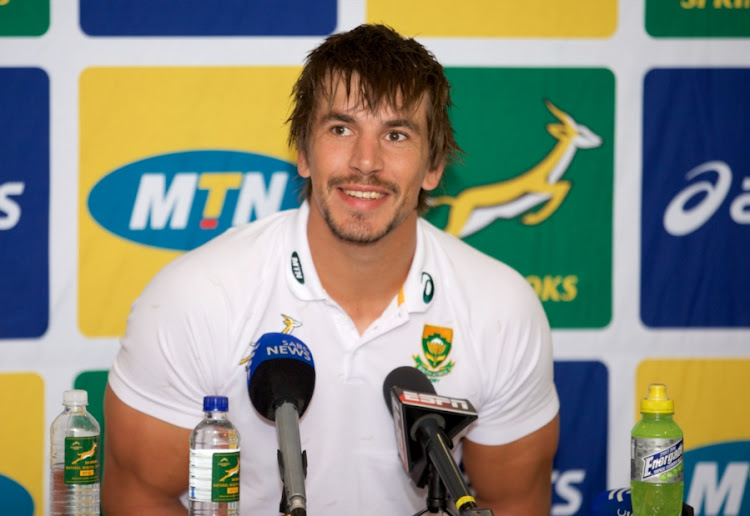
[514, 479]
[146, 462]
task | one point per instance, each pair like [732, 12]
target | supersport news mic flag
[407, 407]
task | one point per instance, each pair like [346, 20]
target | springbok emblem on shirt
[289, 326]
[476, 208]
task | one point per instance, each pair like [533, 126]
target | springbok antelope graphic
[289, 324]
[85, 455]
[476, 208]
[231, 472]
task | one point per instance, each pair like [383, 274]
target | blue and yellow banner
[183, 154]
[710, 407]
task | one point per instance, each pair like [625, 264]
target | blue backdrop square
[580, 467]
[695, 220]
[202, 18]
[24, 202]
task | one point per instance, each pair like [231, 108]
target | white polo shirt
[469, 322]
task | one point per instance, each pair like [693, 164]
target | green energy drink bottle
[656, 473]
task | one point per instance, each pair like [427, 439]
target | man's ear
[433, 176]
[303, 168]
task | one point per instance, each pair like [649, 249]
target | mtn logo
[716, 479]
[181, 200]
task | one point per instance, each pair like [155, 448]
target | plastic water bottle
[656, 452]
[214, 462]
[74, 458]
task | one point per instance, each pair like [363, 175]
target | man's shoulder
[472, 270]
[460, 254]
[268, 227]
[238, 256]
[242, 243]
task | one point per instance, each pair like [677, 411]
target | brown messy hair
[388, 68]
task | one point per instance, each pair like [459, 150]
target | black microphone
[280, 382]
[425, 426]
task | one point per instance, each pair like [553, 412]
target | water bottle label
[656, 460]
[214, 476]
[81, 460]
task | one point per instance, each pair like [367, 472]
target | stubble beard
[356, 228]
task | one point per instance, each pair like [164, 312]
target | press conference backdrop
[610, 138]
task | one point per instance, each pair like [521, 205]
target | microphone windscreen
[407, 378]
[281, 369]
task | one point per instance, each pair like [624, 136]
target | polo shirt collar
[418, 291]
[416, 294]
[301, 276]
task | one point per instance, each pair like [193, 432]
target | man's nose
[367, 157]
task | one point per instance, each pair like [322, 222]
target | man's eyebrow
[335, 116]
[403, 122]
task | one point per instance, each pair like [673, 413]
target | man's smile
[360, 194]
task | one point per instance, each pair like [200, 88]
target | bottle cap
[657, 401]
[75, 397]
[215, 403]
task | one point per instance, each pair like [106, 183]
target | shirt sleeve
[518, 368]
[173, 338]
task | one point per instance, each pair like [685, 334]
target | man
[363, 281]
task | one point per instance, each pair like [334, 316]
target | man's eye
[396, 136]
[339, 130]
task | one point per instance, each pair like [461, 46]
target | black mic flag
[425, 426]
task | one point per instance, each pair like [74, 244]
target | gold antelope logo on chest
[476, 208]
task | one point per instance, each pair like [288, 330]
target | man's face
[366, 167]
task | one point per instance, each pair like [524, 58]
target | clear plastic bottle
[74, 459]
[656, 454]
[214, 462]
